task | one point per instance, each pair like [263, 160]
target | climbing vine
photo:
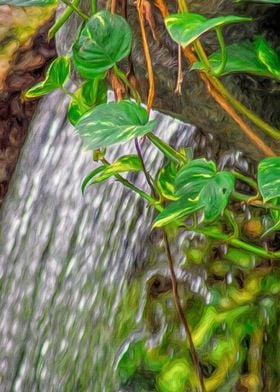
[188, 194]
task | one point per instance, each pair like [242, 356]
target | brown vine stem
[151, 94]
[180, 312]
[219, 98]
[113, 6]
[178, 89]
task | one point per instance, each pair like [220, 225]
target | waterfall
[67, 260]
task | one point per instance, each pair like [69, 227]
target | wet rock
[16, 114]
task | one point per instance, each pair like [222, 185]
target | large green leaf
[176, 211]
[27, 3]
[112, 123]
[57, 74]
[192, 177]
[105, 40]
[185, 28]
[199, 181]
[215, 195]
[248, 57]
[126, 163]
[269, 178]
[90, 94]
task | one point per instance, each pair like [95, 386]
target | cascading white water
[66, 259]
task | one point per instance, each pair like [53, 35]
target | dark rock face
[15, 115]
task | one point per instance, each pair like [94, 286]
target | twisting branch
[181, 312]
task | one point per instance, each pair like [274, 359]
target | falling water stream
[67, 261]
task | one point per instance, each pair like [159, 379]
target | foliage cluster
[188, 194]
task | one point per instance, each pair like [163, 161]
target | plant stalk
[181, 314]
[76, 9]
[62, 19]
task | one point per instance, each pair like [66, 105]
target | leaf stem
[166, 149]
[264, 126]
[122, 76]
[137, 190]
[76, 9]
[93, 7]
[62, 19]
[230, 217]
[256, 203]
[222, 65]
[209, 232]
[245, 179]
[147, 175]
[181, 314]
[182, 5]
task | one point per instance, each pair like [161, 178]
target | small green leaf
[27, 3]
[185, 28]
[112, 123]
[269, 178]
[268, 56]
[90, 94]
[166, 181]
[176, 211]
[105, 40]
[242, 57]
[91, 175]
[57, 74]
[126, 163]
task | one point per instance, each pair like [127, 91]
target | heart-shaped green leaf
[90, 94]
[191, 178]
[176, 211]
[57, 74]
[269, 178]
[105, 40]
[126, 163]
[199, 181]
[200, 187]
[27, 3]
[244, 57]
[215, 195]
[112, 123]
[185, 28]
